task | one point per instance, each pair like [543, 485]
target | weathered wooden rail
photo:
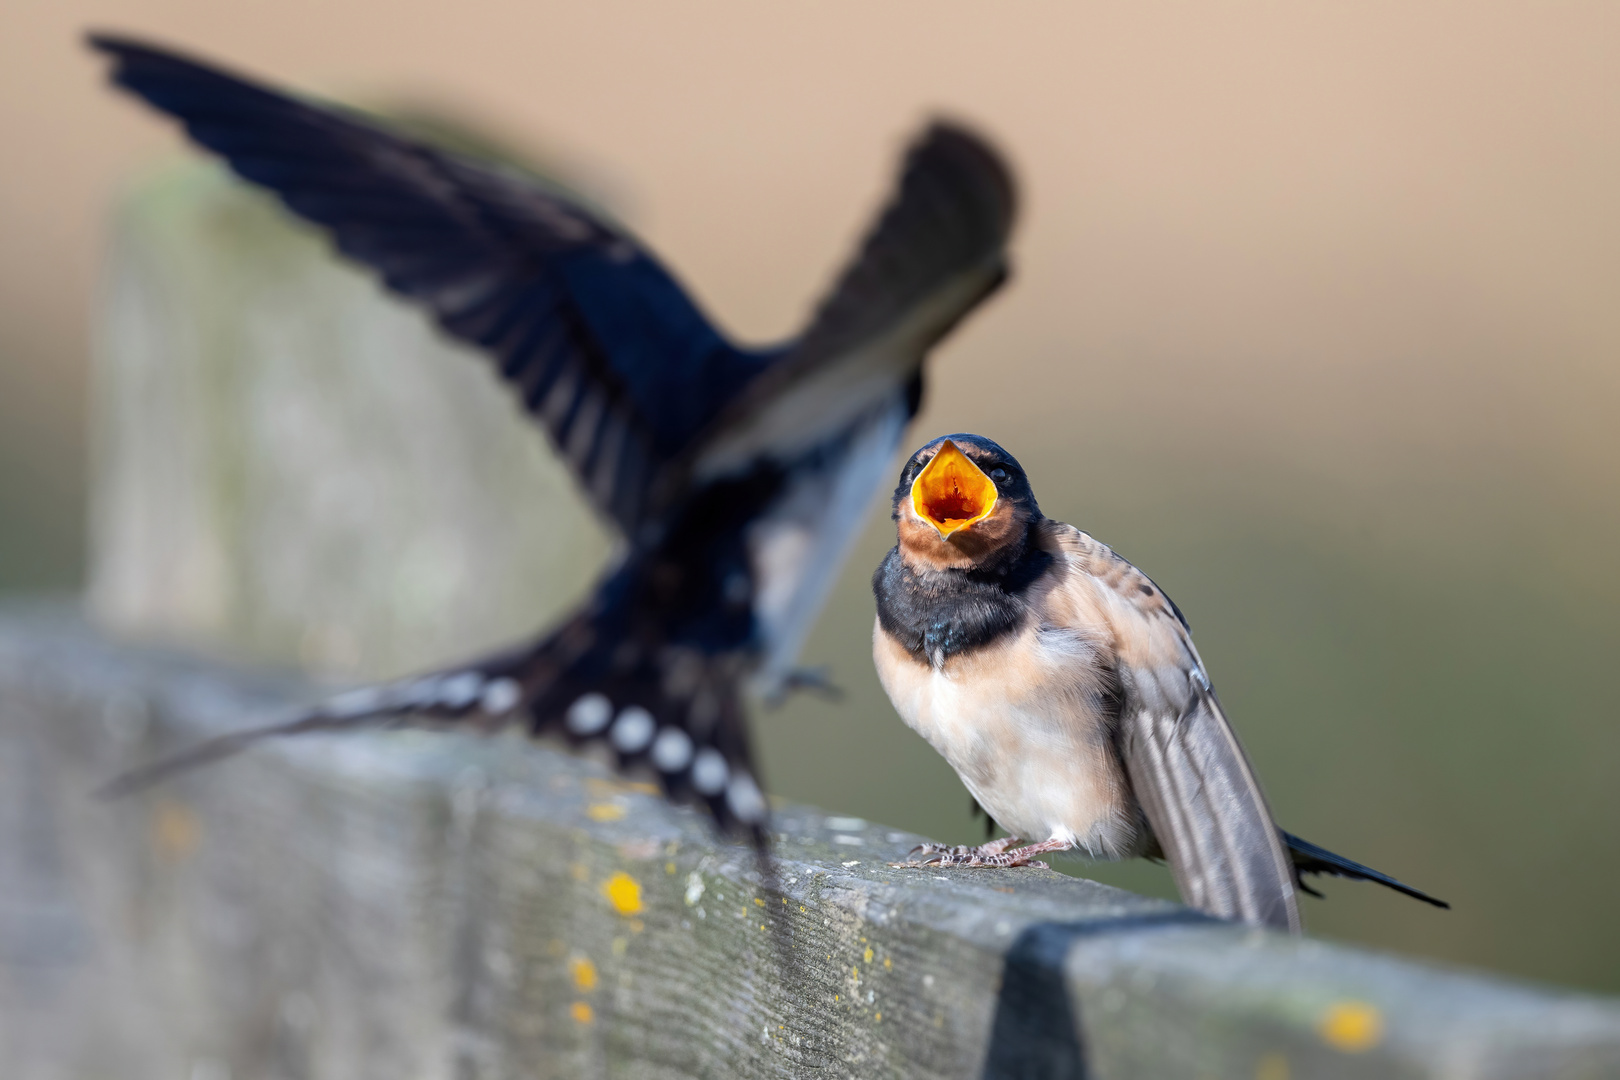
[418, 904]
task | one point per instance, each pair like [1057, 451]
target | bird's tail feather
[1310, 859]
[224, 746]
[677, 712]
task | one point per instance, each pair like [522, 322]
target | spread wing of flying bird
[738, 477]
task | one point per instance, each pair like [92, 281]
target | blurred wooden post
[296, 468]
[293, 469]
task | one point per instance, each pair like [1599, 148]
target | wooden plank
[422, 904]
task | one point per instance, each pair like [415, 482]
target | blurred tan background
[1315, 318]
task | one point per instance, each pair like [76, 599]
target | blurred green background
[1315, 319]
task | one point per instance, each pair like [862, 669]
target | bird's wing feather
[597, 339]
[799, 544]
[1195, 786]
[831, 414]
[1184, 762]
[937, 250]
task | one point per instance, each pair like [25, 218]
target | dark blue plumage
[738, 477]
[585, 322]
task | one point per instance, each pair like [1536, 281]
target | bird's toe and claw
[1003, 853]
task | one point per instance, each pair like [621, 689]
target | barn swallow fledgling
[738, 478]
[1063, 687]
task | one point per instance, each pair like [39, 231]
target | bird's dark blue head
[963, 502]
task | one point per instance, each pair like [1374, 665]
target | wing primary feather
[483, 247]
[1207, 811]
[915, 275]
[536, 362]
[507, 312]
[953, 212]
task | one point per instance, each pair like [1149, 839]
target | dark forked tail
[1310, 859]
[675, 711]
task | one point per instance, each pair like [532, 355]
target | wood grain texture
[422, 905]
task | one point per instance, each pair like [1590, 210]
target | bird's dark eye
[999, 475]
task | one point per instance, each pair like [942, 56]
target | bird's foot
[993, 847]
[816, 680]
[995, 853]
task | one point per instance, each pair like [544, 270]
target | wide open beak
[952, 493]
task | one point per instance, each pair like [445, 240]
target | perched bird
[738, 478]
[1063, 687]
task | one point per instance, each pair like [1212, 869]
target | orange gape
[952, 492]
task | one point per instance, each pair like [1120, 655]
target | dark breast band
[937, 614]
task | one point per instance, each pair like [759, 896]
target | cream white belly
[1020, 723]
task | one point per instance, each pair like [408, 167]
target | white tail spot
[589, 714]
[633, 730]
[459, 691]
[672, 750]
[501, 696]
[745, 799]
[710, 771]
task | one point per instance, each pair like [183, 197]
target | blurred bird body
[1063, 687]
[737, 477]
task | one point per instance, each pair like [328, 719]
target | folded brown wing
[1198, 793]
[1183, 760]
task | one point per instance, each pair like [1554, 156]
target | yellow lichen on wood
[1271, 1067]
[583, 972]
[176, 832]
[1352, 1026]
[623, 893]
[604, 788]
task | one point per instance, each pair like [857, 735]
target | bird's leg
[816, 680]
[996, 853]
[993, 847]
[933, 853]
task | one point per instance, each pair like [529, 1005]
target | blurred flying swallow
[737, 477]
[1063, 687]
